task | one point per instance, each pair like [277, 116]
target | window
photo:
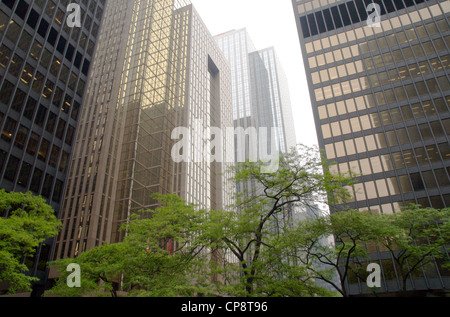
[38, 82]
[33, 18]
[43, 27]
[21, 137]
[429, 180]
[36, 50]
[4, 21]
[64, 162]
[45, 58]
[43, 150]
[40, 116]
[9, 129]
[58, 191]
[442, 178]
[13, 33]
[417, 182]
[33, 144]
[27, 75]
[24, 175]
[7, 92]
[18, 101]
[51, 122]
[11, 168]
[5, 56]
[15, 68]
[56, 64]
[36, 180]
[60, 130]
[53, 161]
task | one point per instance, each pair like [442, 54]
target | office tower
[260, 101]
[259, 90]
[44, 65]
[274, 86]
[156, 69]
[378, 78]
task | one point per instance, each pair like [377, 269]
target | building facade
[270, 87]
[379, 84]
[260, 97]
[44, 65]
[156, 69]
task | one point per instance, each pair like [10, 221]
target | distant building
[259, 88]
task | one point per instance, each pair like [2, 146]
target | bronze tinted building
[380, 97]
[156, 69]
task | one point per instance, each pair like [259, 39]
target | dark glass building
[44, 65]
[380, 95]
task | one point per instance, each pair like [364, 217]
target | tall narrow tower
[156, 69]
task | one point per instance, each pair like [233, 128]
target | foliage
[252, 229]
[263, 245]
[162, 254]
[27, 221]
[414, 237]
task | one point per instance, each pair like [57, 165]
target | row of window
[394, 23]
[413, 90]
[19, 102]
[395, 161]
[372, 142]
[380, 43]
[23, 139]
[37, 181]
[437, 202]
[346, 14]
[14, 30]
[404, 184]
[52, 10]
[389, 59]
[376, 120]
[409, 112]
[390, 272]
[29, 75]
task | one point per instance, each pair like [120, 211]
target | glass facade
[270, 86]
[260, 94]
[381, 97]
[156, 68]
[44, 65]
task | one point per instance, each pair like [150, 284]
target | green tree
[164, 254]
[328, 246]
[26, 222]
[251, 229]
[414, 237]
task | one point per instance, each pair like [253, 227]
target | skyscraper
[259, 91]
[156, 69]
[378, 79]
[268, 81]
[44, 65]
[261, 101]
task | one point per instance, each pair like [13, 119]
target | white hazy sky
[269, 23]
